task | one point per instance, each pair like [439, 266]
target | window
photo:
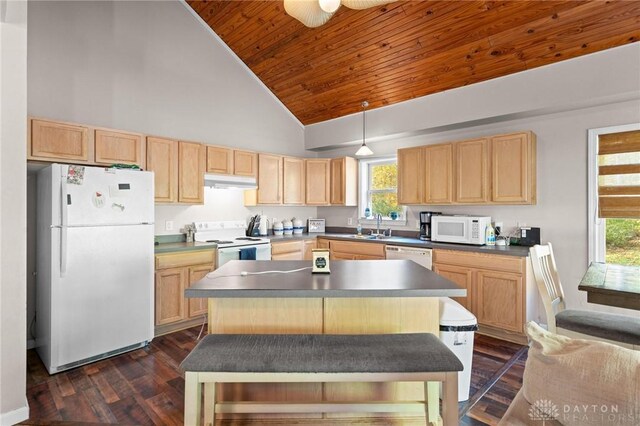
[614, 195]
[378, 189]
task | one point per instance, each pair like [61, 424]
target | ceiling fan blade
[307, 11]
[364, 4]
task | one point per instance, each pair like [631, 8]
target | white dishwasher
[422, 256]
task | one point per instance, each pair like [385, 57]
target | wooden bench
[271, 358]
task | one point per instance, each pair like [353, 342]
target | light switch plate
[350, 221]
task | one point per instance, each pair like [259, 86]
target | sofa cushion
[619, 328]
[581, 382]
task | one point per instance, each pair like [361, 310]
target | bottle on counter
[490, 235]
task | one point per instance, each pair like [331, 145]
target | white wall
[224, 204]
[611, 98]
[150, 66]
[13, 113]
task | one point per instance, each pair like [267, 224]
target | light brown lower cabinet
[496, 289]
[309, 245]
[287, 250]
[175, 272]
[348, 250]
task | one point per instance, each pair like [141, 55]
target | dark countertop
[183, 246]
[348, 278]
[613, 285]
[520, 251]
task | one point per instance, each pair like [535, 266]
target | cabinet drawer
[480, 260]
[175, 260]
[367, 249]
[286, 247]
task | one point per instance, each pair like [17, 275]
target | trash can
[457, 327]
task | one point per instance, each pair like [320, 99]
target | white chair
[619, 330]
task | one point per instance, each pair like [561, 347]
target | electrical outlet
[168, 225]
[350, 221]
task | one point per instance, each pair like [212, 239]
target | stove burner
[219, 242]
[248, 239]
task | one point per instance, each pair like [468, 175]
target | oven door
[450, 229]
[263, 252]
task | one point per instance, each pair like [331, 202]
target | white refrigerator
[94, 277]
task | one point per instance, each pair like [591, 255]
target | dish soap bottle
[490, 235]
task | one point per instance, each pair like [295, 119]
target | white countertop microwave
[459, 229]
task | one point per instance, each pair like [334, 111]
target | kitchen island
[358, 297]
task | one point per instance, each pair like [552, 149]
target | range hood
[230, 182]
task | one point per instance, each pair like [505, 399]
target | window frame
[365, 192]
[597, 226]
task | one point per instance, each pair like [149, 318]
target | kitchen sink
[370, 237]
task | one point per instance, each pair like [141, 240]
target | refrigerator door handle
[63, 228]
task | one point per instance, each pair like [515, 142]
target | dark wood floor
[145, 387]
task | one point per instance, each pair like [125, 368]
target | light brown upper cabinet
[318, 182]
[438, 160]
[191, 166]
[179, 170]
[344, 181]
[162, 159]
[219, 160]
[119, 147]
[293, 189]
[245, 163]
[411, 175]
[513, 168]
[269, 179]
[50, 140]
[498, 169]
[471, 180]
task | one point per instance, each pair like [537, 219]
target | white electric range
[231, 239]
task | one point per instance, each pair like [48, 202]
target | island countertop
[348, 278]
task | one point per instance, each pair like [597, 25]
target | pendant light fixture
[364, 149]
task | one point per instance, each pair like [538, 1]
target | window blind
[619, 175]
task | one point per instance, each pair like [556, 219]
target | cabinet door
[269, 179]
[191, 167]
[439, 174]
[411, 175]
[59, 141]
[513, 168]
[499, 300]
[297, 255]
[245, 163]
[293, 181]
[219, 160]
[471, 183]
[318, 182]
[344, 181]
[309, 245]
[322, 243]
[117, 147]
[170, 284]
[199, 306]
[162, 159]
[461, 276]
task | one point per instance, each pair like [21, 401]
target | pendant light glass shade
[364, 149]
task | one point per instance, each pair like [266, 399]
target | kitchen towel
[248, 253]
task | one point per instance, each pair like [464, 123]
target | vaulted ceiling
[409, 49]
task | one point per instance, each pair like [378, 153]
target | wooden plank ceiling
[409, 49]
